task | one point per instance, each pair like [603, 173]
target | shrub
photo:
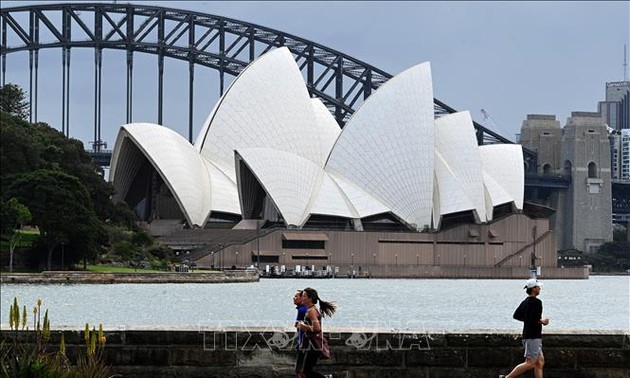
[25, 357]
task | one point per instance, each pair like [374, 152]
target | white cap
[532, 282]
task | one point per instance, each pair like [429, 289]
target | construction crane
[490, 122]
[487, 119]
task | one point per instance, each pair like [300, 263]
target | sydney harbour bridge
[218, 43]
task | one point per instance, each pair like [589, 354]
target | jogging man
[530, 313]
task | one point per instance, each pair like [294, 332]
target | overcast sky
[509, 58]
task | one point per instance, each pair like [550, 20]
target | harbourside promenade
[436, 271]
[74, 277]
[252, 275]
[357, 353]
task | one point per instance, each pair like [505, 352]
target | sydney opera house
[273, 180]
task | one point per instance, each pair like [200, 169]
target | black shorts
[306, 360]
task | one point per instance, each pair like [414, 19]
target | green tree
[14, 215]
[59, 204]
[121, 215]
[19, 150]
[26, 147]
[126, 249]
[88, 238]
[612, 257]
[68, 155]
[619, 232]
[13, 101]
[142, 239]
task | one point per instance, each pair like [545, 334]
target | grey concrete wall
[584, 211]
[358, 354]
[589, 200]
[543, 134]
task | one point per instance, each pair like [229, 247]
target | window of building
[303, 244]
[567, 167]
[265, 258]
[547, 169]
[592, 170]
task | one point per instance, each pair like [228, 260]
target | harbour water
[435, 305]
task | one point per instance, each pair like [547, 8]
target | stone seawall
[467, 272]
[269, 353]
[250, 275]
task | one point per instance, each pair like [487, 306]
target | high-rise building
[614, 136]
[615, 109]
[615, 112]
[624, 155]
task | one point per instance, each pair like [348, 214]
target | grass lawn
[27, 239]
[104, 269]
[5, 270]
[117, 269]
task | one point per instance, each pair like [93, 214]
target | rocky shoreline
[74, 277]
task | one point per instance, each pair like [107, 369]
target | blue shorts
[533, 348]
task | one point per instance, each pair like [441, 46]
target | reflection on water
[423, 304]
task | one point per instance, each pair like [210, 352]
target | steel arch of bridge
[226, 45]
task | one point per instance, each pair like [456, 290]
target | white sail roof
[266, 106]
[288, 179]
[387, 147]
[224, 190]
[363, 203]
[391, 157]
[494, 194]
[458, 165]
[331, 200]
[329, 128]
[177, 162]
[504, 175]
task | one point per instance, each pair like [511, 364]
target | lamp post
[63, 244]
[533, 257]
[236, 253]
[258, 245]
[374, 255]
[464, 259]
[352, 265]
[221, 257]
[417, 259]
[396, 256]
[332, 267]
